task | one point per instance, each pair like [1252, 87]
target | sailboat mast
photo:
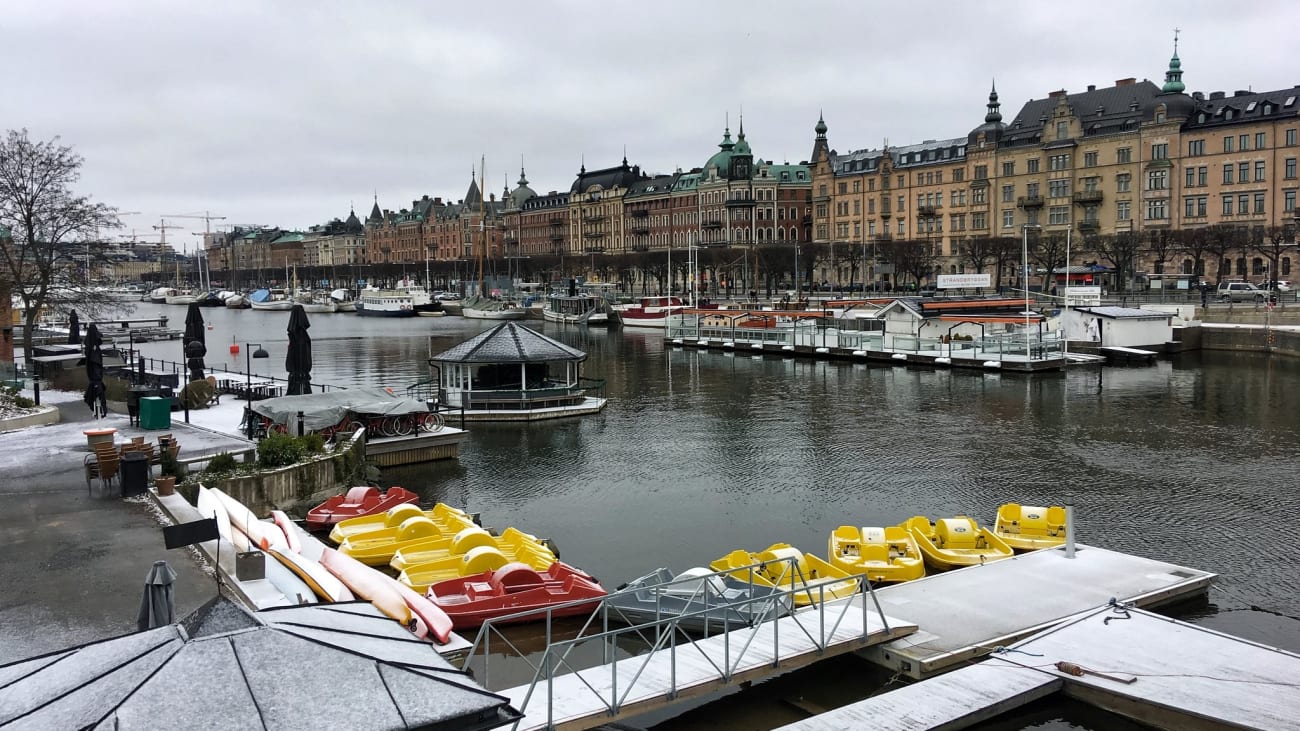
[482, 224]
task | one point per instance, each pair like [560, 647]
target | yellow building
[1129, 172]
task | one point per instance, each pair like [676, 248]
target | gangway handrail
[670, 631]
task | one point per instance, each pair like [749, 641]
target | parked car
[1238, 291]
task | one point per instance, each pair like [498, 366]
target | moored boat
[649, 312]
[376, 548]
[385, 303]
[704, 601]
[885, 555]
[577, 308]
[514, 544]
[785, 567]
[450, 520]
[513, 589]
[358, 501]
[474, 561]
[1026, 528]
[490, 309]
[951, 543]
[270, 300]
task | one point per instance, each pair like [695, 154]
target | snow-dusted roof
[510, 342]
[1126, 313]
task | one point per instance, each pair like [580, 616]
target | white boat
[319, 306]
[236, 302]
[385, 303]
[489, 309]
[582, 308]
[343, 301]
[649, 312]
[702, 601]
[125, 293]
[181, 297]
[421, 300]
[159, 295]
[270, 300]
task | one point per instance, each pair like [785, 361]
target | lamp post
[1024, 279]
[249, 354]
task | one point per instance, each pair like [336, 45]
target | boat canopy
[322, 410]
[260, 295]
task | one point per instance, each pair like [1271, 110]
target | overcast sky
[285, 113]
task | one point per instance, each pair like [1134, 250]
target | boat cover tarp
[261, 295]
[322, 410]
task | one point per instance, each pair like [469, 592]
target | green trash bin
[155, 412]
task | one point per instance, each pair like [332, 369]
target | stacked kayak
[785, 567]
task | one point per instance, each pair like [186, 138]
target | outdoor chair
[102, 466]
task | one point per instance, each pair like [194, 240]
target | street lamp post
[1024, 280]
[249, 354]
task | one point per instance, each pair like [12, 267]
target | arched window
[780, 234]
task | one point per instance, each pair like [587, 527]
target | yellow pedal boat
[450, 520]
[786, 567]
[376, 547]
[474, 561]
[1026, 528]
[512, 543]
[952, 543]
[885, 555]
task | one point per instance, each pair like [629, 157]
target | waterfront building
[337, 243]
[1145, 177]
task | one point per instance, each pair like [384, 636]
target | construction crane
[207, 217]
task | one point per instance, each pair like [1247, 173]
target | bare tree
[910, 257]
[1194, 242]
[1006, 252]
[978, 252]
[1274, 243]
[1162, 242]
[48, 225]
[1120, 251]
[1048, 252]
[1224, 239]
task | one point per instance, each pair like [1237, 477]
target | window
[1227, 143]
[821, 210]
[1227, 173]
[1123, 182]
[1090, 159]
[1157, 180]
[871, 184]
[938, 177]
[958, 175]
[1243, 172]
[1243, 143]
[1091, 184]
[1062, 130]
[1160, 151]
[981, 172]
[1227, 205]
[902, 181]
[1123, 155]
[958, 221]
[1260, 141]
[1123, 211]
[1288, 201]
[1058, 188]
[821, 190]
[1157, 210]
[1031, 165]
[920, 199]
[1203, 175]
[857, 186]
[902, 203]
[1008, 193]
[1243, 204]
[1008, 219]
[857, 207]
[1058, 162]
[1189, 207]
[1191, 178]
[821, 231]
[1259, 203]
[1201, 204]
[1290, 137]
[1008, 169]
[978, 197]
[844, 188]
[980, 221]
[1195, 147]
[1259, 170]
[1058, 215]
[871, 207]
[1031, 190]
[1290, 168]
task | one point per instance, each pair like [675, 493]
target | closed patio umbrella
[74, 328]
[95, 372]
[298, 360]
[193, 342]
[158, 605]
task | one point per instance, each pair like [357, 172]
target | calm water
[699, 453]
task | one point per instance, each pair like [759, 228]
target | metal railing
[819, 624]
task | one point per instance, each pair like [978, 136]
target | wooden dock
[1012, 363]
[964, 614]
[642, 683]
[1152, 669]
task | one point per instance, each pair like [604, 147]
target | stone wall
[289, 488]
[1252, 340]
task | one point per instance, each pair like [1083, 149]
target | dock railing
[818, 623]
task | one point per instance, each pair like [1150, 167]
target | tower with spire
[821, 149]
[1174, 76]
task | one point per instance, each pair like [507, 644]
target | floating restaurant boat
[448, 519]
[514, 588]
[514, 373]
[783, 566]
[1026, 528]
[385, 303]
[576, 307]
[886, 555]
[951, 543]
[704, 601]
[649, 312]
[358, 501]
[512, 543]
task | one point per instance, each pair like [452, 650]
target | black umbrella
[158, 605]
[95, 372]
[193, 342]
[74, 328]
[298, 361]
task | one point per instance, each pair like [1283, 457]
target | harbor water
[1191, 461]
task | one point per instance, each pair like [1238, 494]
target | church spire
[1174, 76]
[821, 126]
[375, 213]
[994, 113]
[522, 179]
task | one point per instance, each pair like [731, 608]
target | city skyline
[285, 117]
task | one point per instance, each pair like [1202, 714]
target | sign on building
[1082, 297]
[964, 281]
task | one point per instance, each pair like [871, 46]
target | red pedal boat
[356, 502]
[513, 588]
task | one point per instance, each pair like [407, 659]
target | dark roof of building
[1101, 111]
[521, 194]
[621, 176]
[659, 185]
[227, 669]
[375, 213]
[473, 196]
[925, 153]
[353, 224]
[510, 342]
[1218, 109]
[550, 200]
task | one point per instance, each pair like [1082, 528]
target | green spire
[1174, 76]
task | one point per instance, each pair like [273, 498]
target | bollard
[300, 417]
[36, 391]
[1069, 530]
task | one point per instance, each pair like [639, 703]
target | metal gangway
[678, 664]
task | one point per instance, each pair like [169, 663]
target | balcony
[639, 228]
[595, 234]
[927, 211]
[1087, 197]
[595, 218]
[640, 213]
[1089, 227]
[557, 221]
[885, 237]
[557, 236]
[712, 224]
[885, 214]
[740, 202]
[640, 247]
[1029, 201]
